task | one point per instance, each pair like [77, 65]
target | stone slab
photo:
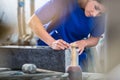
[43, 57]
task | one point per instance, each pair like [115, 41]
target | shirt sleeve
[47, 11]
[99, 26]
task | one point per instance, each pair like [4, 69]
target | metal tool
[31, 68]
[74, 70]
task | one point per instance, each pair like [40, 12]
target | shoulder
[98, 19]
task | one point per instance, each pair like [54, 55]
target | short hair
[100, 1]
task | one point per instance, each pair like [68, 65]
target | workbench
[19, 75]
[44, 57]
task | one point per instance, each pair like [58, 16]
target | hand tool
[74, 70]
[32, 68]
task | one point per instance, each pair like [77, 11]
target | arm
[37, 27]
[90, 42]
[95, 34]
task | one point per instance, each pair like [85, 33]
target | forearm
[39, 30]
[82, 44]
[90, 42]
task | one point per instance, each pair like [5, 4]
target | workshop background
[14, 31]
[14, 16]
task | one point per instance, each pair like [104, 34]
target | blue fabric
[76, 26]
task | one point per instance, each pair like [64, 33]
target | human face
[93, 9]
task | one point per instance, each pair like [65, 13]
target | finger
[63, 44]
[58, 45]
[77, 50]
[81, 51]
[66, 45]
[55, 45]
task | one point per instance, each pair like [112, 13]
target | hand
[80, 45]
[59, 45]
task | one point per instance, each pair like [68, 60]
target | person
[60, 23]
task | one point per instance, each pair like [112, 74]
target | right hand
[59, 45]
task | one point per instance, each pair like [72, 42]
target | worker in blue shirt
[60, 23]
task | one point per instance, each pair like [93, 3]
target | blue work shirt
[73, 25]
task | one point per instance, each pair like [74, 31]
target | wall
[113, 34]
[9, 17]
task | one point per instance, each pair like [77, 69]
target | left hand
[80, 45]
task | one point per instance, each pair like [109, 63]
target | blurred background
[14, 15]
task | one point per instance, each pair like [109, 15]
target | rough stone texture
[42, 57]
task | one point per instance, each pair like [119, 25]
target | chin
[87, 15]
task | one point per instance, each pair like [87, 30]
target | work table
[19, 75]
[43, 57]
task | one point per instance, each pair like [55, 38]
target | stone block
[43, 57]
